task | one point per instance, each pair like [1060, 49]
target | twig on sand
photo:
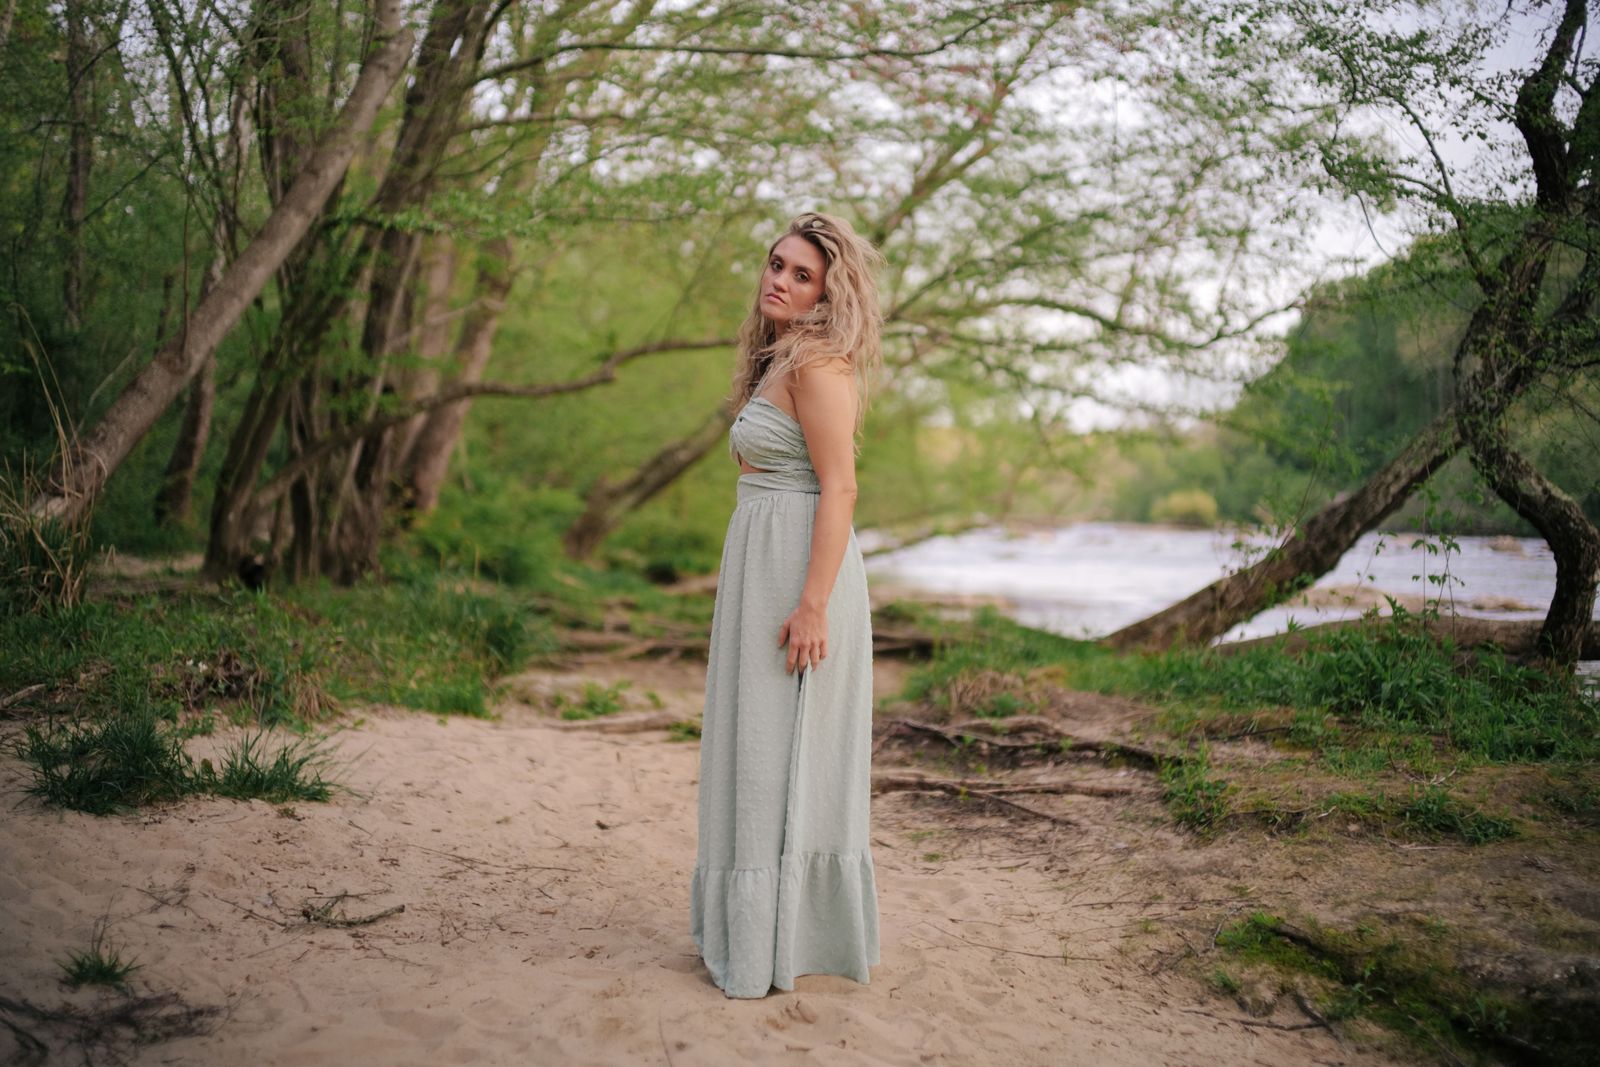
[21, 694]
[662, 1030]
[476, 863]
[620, 724]
[264, 918]
[324, 916]
[1014, 951]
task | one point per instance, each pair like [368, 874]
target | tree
[1522, 329]
[80, 474]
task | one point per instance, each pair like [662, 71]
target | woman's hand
[806, 630]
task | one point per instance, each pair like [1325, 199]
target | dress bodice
[768, 437]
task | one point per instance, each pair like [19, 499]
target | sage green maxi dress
[783, 881]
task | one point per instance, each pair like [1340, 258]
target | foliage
[1391, 675]
[1414, 985]
[504, 530]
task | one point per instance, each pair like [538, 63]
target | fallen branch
[324, 915]
[21, 694]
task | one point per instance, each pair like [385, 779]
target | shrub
[1185, 507]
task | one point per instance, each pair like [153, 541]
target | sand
[544, 876]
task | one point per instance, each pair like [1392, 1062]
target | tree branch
[606, 372]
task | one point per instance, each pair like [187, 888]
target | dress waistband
[765, 483]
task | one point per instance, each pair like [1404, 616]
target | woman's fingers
[807, 650]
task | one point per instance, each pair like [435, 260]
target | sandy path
[545, 878]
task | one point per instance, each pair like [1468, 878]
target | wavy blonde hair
[847, 320]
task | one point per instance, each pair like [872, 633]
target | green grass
[292, 772]
[122, 762]
[597, 700]
[1429, 812]
[100, 964]
[1389, 686]
[684, 730]
[108, 765]
[1196, 799]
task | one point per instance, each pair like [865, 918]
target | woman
[783, 881]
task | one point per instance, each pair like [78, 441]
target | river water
[1090, 578]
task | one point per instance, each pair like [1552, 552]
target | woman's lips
[773, 296]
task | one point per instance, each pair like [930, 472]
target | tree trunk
[609, 504]
[6, 17]
[433, 336]
[429, 456]
[82, 470]
[80, 147]
[174, 498]
[434, 103]
[1571, 536]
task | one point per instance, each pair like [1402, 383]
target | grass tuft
[100, 964]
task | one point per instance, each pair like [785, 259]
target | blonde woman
[783, 881]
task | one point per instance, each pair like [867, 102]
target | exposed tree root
[890, 783]
[956, 789]
[636, 722]
[972, 733]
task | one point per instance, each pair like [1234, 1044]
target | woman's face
[793, 280]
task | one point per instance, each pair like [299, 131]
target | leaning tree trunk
[176, 495]
[82, 469]
[609, 503]
[1313, 549]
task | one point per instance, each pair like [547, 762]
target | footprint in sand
[797, 1012]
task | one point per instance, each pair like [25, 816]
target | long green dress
[783, 881]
